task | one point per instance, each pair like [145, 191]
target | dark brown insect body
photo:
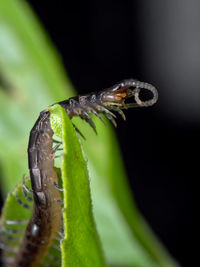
[46, 219]
[112, 98]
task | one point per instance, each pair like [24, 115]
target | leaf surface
[81, 245]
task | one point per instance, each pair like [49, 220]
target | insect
[113, 98]
[46, 222]
[46, 219]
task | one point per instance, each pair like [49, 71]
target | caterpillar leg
[84, 115]
[113, 98]
[22, 203]
[57, 187]
[16, 222]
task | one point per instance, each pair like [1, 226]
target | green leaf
[13, 220]
[126, 238]
[12, 210]
[81, 245]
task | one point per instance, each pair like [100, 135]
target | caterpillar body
[46, 221]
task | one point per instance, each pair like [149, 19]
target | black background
[103, 42]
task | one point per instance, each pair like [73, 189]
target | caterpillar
[45, 222]
[46, 219]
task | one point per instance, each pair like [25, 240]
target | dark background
[102, 42]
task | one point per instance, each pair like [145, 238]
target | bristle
[23, 204]
[57, 187]
[15, 222]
